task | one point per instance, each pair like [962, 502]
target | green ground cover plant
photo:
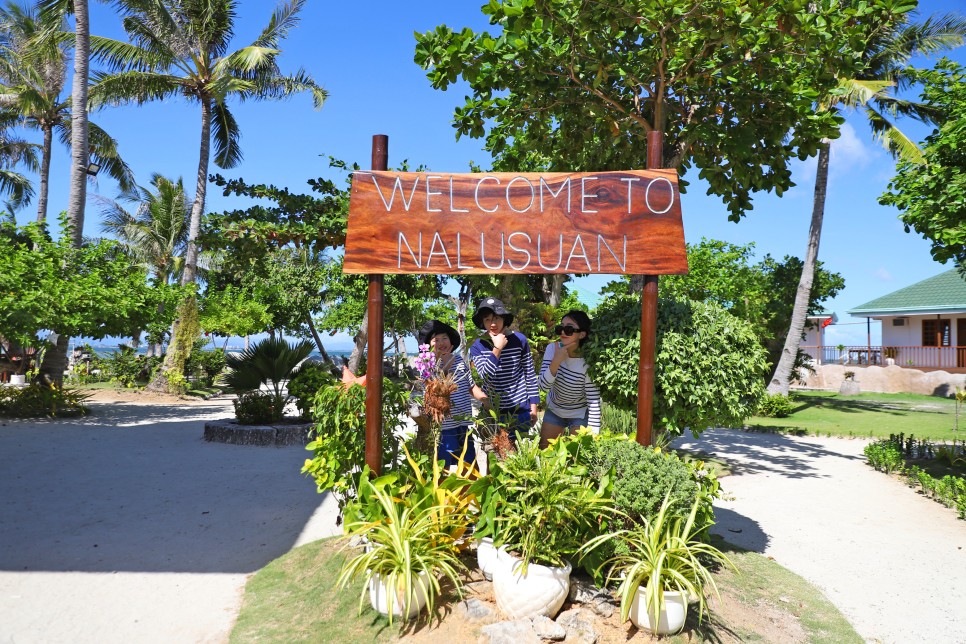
[825, 413]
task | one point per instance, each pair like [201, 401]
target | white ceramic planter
[379, 596]
[672, 617]
[541, 591]
[18, 379]
[486, 557]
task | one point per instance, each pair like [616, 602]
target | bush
[775, 406]
[617, 421]
[885, 456]
[642, 477]
[127, 368]
[256, 408]
[205, 365]
[311, 377]
[709, 365]
[339, 444]
[41, 400]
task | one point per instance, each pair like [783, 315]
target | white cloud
[883, 274]
[849, 150]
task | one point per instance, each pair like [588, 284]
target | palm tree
[156, 234]
[33, 71]
[15, 152]
[182, 49]
[887, 57]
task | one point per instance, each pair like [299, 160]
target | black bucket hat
[491, 304]
[432, 328]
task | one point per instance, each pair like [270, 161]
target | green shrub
[339, 444]
[256, 408]
[311, 377]
[127, 368]
[775, 406]
[617, 421]
[709, 365]
[272, 362]
[642, 477]
[205, 365]
[885, 456]
[42, 400]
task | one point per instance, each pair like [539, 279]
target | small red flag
[826, 322]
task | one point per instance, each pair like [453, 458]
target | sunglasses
[567, 330]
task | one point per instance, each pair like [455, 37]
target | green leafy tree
[233, 312]
[183, 49]
[93, 291]
[732, 84]
[33, 72]
[709, 365]
[931, 196]
[884, 68]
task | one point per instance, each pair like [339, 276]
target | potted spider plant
[662, 568]
[539, 508]
[412, 528]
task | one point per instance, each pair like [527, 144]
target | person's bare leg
[548, 431]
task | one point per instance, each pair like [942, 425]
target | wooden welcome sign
[601, 222]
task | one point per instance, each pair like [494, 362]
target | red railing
[902, 356]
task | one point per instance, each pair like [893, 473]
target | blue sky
[364, 59]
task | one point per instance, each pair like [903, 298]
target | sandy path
[891, 560]
[125, 526]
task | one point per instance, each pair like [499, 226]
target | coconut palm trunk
[198, 208]
[783, 371]
[55, 358]
[45, 174]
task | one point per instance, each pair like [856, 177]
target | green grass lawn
[877, 415]
[295, 599]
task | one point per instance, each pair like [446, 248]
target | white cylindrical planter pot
[379, 596]
[486, 556]
[18, 379]
[672, 618]
[541, 591]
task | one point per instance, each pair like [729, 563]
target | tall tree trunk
[556, 289]
[161, 381]
[55, 358]
[783, 371]
[198, 207]
[318, 339]
[361, 339]
[44, 175]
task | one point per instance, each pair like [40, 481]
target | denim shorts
[574, 423]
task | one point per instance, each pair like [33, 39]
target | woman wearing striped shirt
[502, 358]
[572, 399]
[443, 339]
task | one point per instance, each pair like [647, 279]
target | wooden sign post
[625, 222]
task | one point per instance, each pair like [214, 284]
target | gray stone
[583, 591]
[516, 632]
[547, 629]
[603, 607]
[477, 611]
[579, 626]
[282, 434]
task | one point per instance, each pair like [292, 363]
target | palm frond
[859, 92]
[132, 86]
[117, 55]
[246, 61]
[104, 152]
[284, 18]
[277, 87]
[225, 135]
[17, 187]
[892, 138]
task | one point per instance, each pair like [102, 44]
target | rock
[583, 591]
[849, 388]
[547, 629]
[602, 607]
[579, 626]
[477, 611]
[516, 632]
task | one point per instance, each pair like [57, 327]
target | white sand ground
[126, 526]
[891, 560]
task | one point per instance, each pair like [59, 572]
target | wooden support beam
[380, 161]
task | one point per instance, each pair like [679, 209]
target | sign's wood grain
[602, 222]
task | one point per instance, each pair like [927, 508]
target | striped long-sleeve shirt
[511, 377]
[570, 393]
[461, 404]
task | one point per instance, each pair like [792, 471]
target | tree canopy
[732, 84]
[932, 195]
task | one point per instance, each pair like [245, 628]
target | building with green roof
[923, 325]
